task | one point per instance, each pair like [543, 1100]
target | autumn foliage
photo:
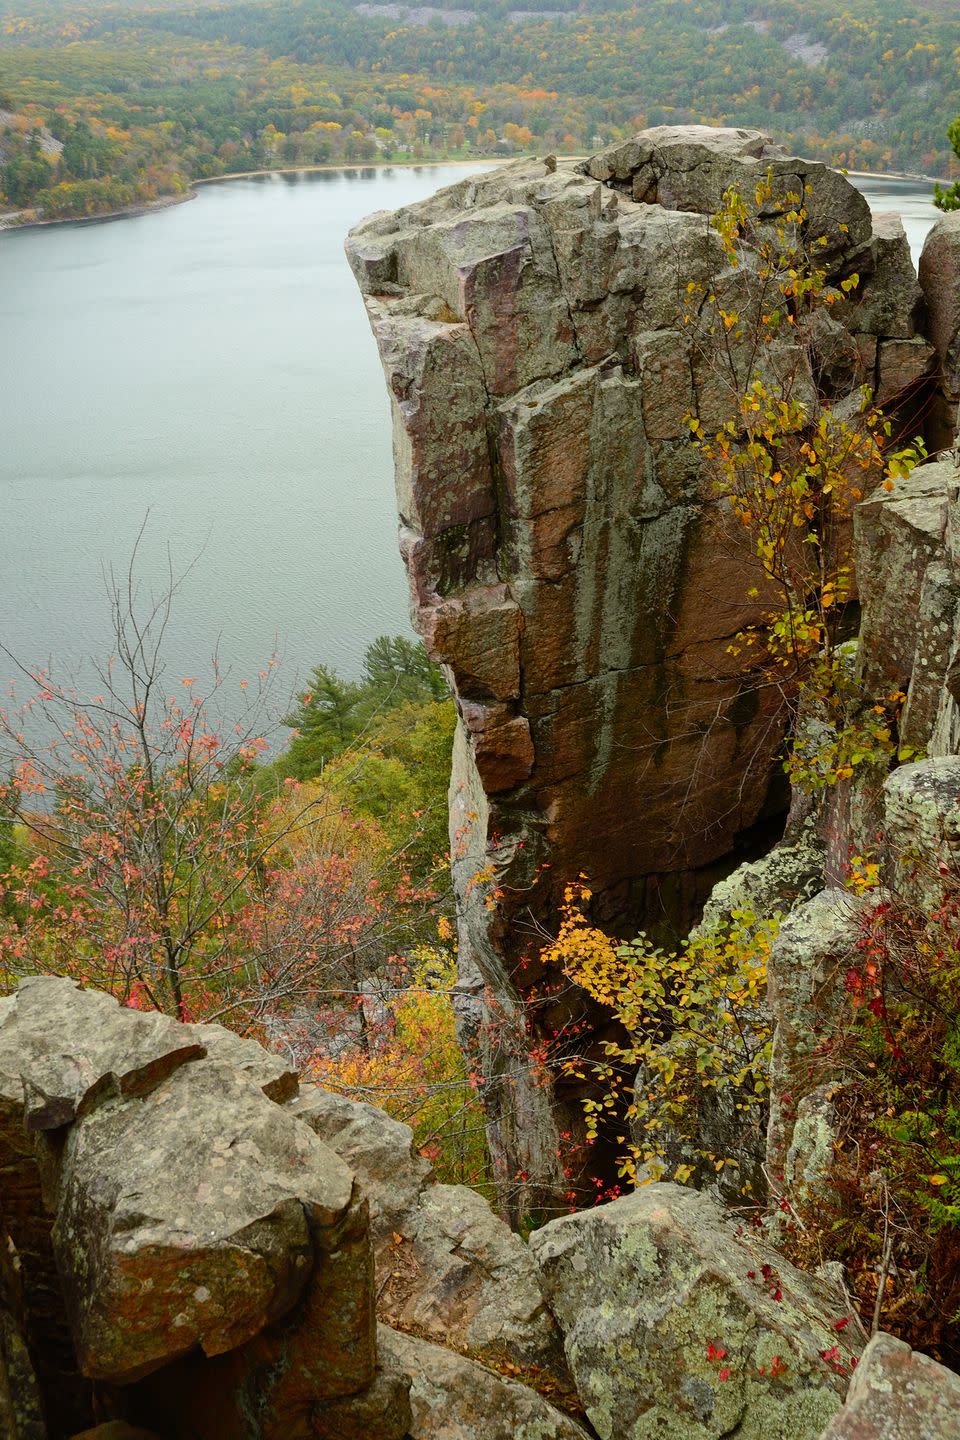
[697, 1037]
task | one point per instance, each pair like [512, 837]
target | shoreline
[912, 179]
[147, 207]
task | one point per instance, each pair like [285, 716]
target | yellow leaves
[695, 1021]
[864, 875]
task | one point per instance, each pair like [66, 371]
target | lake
[211, 364]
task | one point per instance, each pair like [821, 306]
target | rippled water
[211, 364]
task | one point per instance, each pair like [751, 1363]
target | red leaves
[832, 1357]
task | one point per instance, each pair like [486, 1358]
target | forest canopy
[113, 104]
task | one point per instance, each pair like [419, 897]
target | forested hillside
[146, 98]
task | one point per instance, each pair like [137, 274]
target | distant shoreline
[147, 207]
[892, 175]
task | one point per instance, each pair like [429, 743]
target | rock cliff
[568, 561]
[195, 1246]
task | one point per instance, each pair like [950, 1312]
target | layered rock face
[940, 278]
[567, 559]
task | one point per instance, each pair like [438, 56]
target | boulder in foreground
[898, 1394]
[680, 1323]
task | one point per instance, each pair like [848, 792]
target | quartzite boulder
[453, 1398]
[567, 557]
[898, 1394]
[940, 279]
[62, 1052]
[70, 1053]
[186, 1240]
[679, 1323]
[379, 1150]
[456, 1274]
[448, 1268]
[204, 1165]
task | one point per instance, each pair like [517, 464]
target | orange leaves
[27, 777]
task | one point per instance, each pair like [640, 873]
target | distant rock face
[567, 559]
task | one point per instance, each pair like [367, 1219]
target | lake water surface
[211, 364]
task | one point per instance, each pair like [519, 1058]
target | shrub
[697, 1032]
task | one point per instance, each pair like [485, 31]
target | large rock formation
[189, 1249]
[568, 561]
[204, 1272]
[171, 1217]
[678, 1322]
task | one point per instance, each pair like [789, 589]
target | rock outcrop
[809, 959]
[568, 561]
[211, 1259]
[679, 1322]
[897, 1393]
[447, 1268]
[173, 1209]
[197, 1248]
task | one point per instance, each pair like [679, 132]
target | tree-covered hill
[165, 93]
